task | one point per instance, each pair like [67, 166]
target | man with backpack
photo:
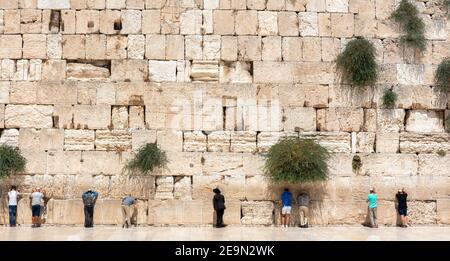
[89, 198]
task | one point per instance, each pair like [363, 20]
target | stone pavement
[230, 233]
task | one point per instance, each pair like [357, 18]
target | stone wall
[85, 83]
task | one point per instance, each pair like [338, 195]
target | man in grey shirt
[303, 208]
[36, 200]
[128, 207]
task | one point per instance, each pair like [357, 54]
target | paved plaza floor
[230, 233]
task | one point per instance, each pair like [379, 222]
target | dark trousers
[219, 213]
[88, 216]
[12, 215]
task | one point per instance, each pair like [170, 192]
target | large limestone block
[174, 47]
[120, 117]
[115, 140]
[116, 47]
[346, 96]
[219, 141]
[34, 46]
[273, 72]
[243, 141]
[257, 188]
[92, 117]
[56, 93]
[64, 162]
[424, 121]
[223, 22]
[340, 119]
[257, 213]
[390, 165]
[10, 137]
[23, 92]
[433, 165]
[390, 120]
[299, 119]
[267, 23]
[424, 142]
[231, 186]
[66, 212]
[410, 74]
[112, 162]
[34, 162]
[309, 23]
[249, 48]
[365, 142]
[164, 187]
[53, 4]
[79, 140]
[422, 212]
[288, 24]
[74, 46]
[313, 72]
[183, 164]
[443, 211]
[129, 70]
[211, 47]
[387, 142]
[194, 141]
[204, 71]
[63, 116]
[170, 140]
[11, 46]
[131, 21]
[4, 91]
[28, 116]
[88, 21]
[342, 25]
[246, 22]
[139, 186]
[229, 48]
[217, 163]
[333, 141]
[191, 22]
[162, 71]
[140, 138]
[182, 188]
[78, 71]
[292, 48]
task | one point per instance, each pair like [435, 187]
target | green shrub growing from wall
[11, 161]
[356, 163]
[357, 63]
[442, 75]
[147, 158]
[389, 98]
[297, 160]
[412, 25]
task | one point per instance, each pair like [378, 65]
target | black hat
[216, 190]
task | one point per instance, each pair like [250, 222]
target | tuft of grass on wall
[356, 163]
[296, 161]
[442, 75]
[11, 161]
[412, 25]
[147, 158]
[389, 98]
[357, 63]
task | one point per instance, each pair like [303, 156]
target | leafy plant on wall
[389, 98]
[147, 158]
[11, 161]
[297, 160]
[442, 75]
[357, 63]
[412, 25]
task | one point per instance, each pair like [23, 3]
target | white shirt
[12, 198]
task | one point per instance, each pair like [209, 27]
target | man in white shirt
[12, 204]
[36, 200]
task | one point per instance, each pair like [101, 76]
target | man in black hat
[219, 207]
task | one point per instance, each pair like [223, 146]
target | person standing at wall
[372, 199]
[89, 199]
[36, 201]
[303, 209]
[286, 207]
[12, 205]
[219, 207]
[128, 207]
[402, 208]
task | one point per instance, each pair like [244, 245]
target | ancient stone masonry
[85, 83]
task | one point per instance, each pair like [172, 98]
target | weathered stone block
[92, 117]
[249, 48]
[424, 142]
[365, 142]
[79, 140]
[309, 24]
[342, 25]
[288, 24]
[219, 141]
[117, 140]
[340, 119]
[424, 121]
[164, 187]
[194, 141]
[267, 23]
[243, 141]
[10, 137]
[74, 46]
[387, 142]
[204, 71]
[257, 213]
[232, 186]
[131, 21]
[410, 74]
[28, 116]
[155, 47]
[129, 70]
[77, 71]
[51, 4]
[390, 120]
[390, 164]
[273, 72]
[88, 22]
[140, 138]
[174, 47]
[162, 71]
[116, 47]
[11, 46]
[299, 119]
[246, 22]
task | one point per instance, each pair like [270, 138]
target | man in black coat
[219, 207]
